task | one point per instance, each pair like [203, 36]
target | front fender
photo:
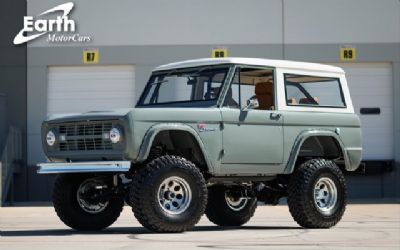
[155, 129]
[352, 156]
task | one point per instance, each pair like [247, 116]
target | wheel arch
[158, 129]
[305, 136]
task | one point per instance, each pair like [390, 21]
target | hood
[91, 115]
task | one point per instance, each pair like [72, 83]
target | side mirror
[252, 103]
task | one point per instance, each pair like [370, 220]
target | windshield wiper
[163, 81]
[159, 82]
[197, 72]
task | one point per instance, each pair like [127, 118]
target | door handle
[275, 116]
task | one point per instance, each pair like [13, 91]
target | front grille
[84, 136]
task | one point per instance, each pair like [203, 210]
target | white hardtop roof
[251, 61]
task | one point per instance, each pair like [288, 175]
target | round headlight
[115, 135]
[50, 138]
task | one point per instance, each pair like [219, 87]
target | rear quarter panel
[345, 125]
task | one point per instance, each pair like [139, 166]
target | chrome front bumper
[83, 167]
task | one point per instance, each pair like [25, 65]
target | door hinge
[221, 125]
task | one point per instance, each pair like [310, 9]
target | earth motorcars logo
[35, 27]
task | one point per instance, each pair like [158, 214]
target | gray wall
[192, 22]
[13, 78]
[177, 22]
[3, 119]
[154, 32]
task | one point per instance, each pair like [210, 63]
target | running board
[83, 167]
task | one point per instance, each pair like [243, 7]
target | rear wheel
[317, 194]
[83, 202]
[229, 207]
[168, 195]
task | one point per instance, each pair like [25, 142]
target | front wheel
[229, 206]
[84, 202]
[317, 194]
[168, 195]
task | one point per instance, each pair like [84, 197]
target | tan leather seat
[292, 101]
[305, 100]
[264, 95]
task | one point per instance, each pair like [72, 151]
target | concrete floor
[364, 226]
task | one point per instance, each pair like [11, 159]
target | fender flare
[157, 128]
[303, 136]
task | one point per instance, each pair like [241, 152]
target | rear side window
[302, 90]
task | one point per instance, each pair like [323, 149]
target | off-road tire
[144, 195]
[68, 210]
[219, 213]
[301, 194]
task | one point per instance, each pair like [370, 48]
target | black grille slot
[85, 136]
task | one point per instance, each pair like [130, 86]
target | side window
[251, 83]
[212, 86]
[233, 95]
[302, 90]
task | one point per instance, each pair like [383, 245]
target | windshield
[185, 87]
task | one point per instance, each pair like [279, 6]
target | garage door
[87, 88]
[371, 86]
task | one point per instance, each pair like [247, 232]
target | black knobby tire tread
[301, 206]
[143, 204]
[72, 215]
[219, 213]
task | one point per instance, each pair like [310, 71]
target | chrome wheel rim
[90, 206]
[174, 195]
[325, 195]
[235, 203]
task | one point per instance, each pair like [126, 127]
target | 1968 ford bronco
[213, 136]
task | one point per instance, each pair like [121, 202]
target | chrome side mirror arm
[251, 103]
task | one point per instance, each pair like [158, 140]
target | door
[77, 89]
[252, 135]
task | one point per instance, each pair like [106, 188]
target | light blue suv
[210, 136]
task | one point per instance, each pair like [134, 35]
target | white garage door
[79, 89]
[371, 86]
